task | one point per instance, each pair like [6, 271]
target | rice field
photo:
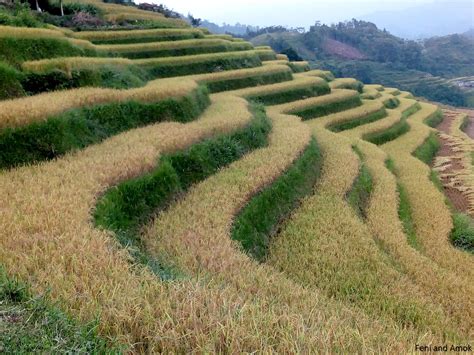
[236, 202]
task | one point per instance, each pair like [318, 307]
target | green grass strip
[435, 119]
[428, 150]
[395, 131]
[405, 211]
[208, 66]
[262, 217]
[291, 94]
[31, 325]
[462, 234]
[156, 53]
[128, 206]
[255, 80]
[326, 109]
[359, 195]
[79, 128]
[18, 50]
[343, 126]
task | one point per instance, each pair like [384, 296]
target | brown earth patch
[342, 50]
[459, 200]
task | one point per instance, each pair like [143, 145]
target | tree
[195, 22]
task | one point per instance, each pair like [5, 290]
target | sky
[292, 13]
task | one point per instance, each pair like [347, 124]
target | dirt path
[460, 201]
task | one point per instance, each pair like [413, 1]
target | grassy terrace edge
[396, 130]
[125, 208]
[358, 196]
[404, 209]
[262, 217]
[78, 128]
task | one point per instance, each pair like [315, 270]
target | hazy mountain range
[439, 18]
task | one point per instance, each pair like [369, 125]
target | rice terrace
[165, 189]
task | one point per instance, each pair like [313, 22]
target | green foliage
[428, 150]
[79, 128]
[326, 109]
[32, 325]
[10, 85]
[18, 50]
[208, 66]
[359, 195]
[185, 51]
[462, 235]
[291, 95]
[19, 15]
[293, 56]
[254, 80]
[106, 76]
[262, 217]
[395, 131]
[343, 126]
[405, 211]
[126, 207]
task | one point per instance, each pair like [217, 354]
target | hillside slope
[228, 201]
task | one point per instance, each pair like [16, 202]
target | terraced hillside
[218, 198]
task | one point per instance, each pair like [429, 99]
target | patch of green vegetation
[262, 217]
[10, 85]
[76, 129]
[465, 123]
[125, 208]
[462, 234]
[343, 126]
[391, 103]
[435, 119]
[18, 50]
[254, 80]
[208, 66]
[19, 15]
[393, 132]
[31, 325]
[427, 151]
[108, 76]
[359, 195]
[326, 109]
[291, 95]
[185, 51]
[404, 210]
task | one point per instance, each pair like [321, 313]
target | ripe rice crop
[237, 79]
[174, 48]
[286, 91]
[26, 32]
[338, 100]
[347, 83]
[282, 57]
[326, 75]
[431, 216]
[23, 111]
[159, 67]
[299, 67]
[139, 36]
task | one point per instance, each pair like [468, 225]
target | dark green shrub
[10, 85]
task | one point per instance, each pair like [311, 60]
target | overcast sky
[291, 13]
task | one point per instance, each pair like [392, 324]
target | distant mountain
[439, 18]
[469, 33]
[237, 29]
